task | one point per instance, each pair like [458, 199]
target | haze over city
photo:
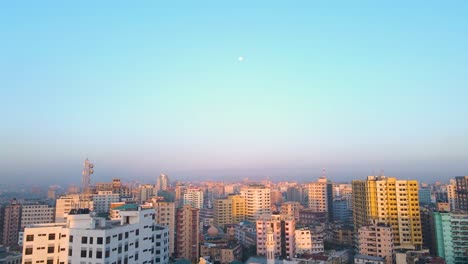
[161, 87]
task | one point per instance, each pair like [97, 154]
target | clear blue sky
[151, 87]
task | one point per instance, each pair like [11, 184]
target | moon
[240, 58]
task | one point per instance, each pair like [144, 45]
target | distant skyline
[248, 89]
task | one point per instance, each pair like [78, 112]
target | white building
[32, 214]
[145, 192]
[92, 240]
[103, 199]
[257, 201]
[194, 197]
[68, 202]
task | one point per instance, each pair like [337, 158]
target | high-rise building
[462, 192]
[103, 199]
[187, 233]
[145, 192]
[11, 223]
[86, 177]
[321, 196]
[229, 210]
[162, 183]
[283, 228]
[165, 216]
[390, 201]
[424, 196]
[32, 214]
[341, 211]
[451, 236]
[376, 240]
[193, 197]
[257, 200]
[88, 239]
[452, 194]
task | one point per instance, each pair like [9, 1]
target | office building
[32, 214]
[103, 200]
[83, 238]
[162, 183]
[257, 201]
[424, 196]
[390, 201]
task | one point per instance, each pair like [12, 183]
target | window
[99, 254]
[90, 253]
[99, 240]
[84, 240]
[70, 252]
[50, 261]
[51, 236]
[30, 238]
[70, 239]
[108, 240]
[91, 240]
[50, 249]
[28, 251]
[83, 253]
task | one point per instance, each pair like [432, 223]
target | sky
[150, 87]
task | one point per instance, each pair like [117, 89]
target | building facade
[391, 201]
[451, 236]
[283, 229]
[187, 233]
[376, 240]
[321, 196]
[87, 239]
[11, 223]
[257, 201]
[462, 192]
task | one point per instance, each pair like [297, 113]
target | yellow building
[230, 210]
[391, 201]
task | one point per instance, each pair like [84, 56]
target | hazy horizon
[218, 90]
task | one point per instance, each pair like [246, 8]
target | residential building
[193, 197]
[283, 228]
[451, 236]
[321, 196]
[391, 201]
[83, 238]
[462, 192]
[452, 194]
[165, 216]
[291, 209]
[229, 210]
[11, 223]
[187, 233]
[376, 240]
[257, 201]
